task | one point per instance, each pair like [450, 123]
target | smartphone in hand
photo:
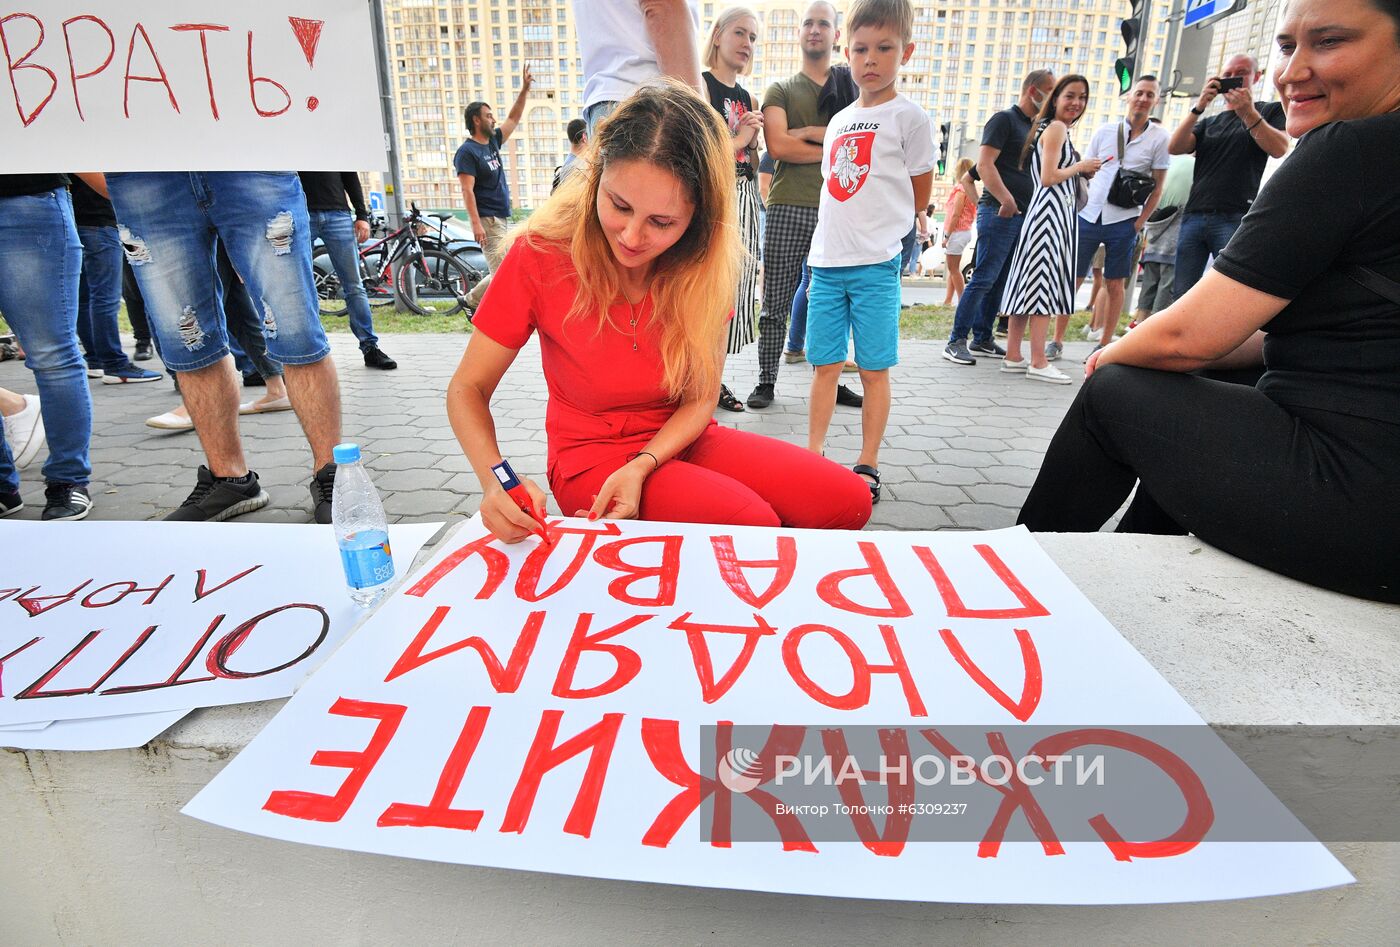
[1230, 82]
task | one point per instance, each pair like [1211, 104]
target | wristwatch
[1196, 111]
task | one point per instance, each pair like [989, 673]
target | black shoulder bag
[1382, 286]
[1130, 188]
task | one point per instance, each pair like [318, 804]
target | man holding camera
[1122, 196]
[1231, 149]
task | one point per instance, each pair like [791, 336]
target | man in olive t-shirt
[793, 128]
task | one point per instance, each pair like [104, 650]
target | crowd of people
[217, 274]
[645, 260]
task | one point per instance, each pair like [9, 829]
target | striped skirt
[742, 329]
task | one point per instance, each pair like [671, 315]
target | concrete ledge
[98, 853]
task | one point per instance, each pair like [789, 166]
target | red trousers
[736, 478]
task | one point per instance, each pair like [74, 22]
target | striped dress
[741, 327]
[1040, 281]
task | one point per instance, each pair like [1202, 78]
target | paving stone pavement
[962, 448]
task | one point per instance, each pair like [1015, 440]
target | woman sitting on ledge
[627, 273]
[1301, 474]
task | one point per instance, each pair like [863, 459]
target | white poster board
[113, 619]
[189, 85]
[541, 708]
[99, 733]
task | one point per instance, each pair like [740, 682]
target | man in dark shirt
[1231, 149]
[577, 130]
[100, 290]
[342, 235]
[483, 179]
[1005, 195]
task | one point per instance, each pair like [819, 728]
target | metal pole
[1170, 74]
[393, 187]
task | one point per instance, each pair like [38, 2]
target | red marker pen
[517, 492]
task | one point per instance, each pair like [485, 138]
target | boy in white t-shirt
[877, 163]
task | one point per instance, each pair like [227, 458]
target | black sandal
[727, 401]
[865, 470]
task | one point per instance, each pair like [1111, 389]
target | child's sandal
[865, 470]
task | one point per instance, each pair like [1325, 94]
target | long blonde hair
[722, 22]
[694, 281]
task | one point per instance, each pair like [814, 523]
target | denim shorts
[854, 300]
[1118, 241]
[168, 224]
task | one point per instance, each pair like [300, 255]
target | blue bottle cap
[346, 453]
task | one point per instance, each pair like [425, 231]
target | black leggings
[1306, 493]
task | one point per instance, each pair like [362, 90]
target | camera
[1230, 82]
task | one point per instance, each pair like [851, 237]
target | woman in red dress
[627, 273]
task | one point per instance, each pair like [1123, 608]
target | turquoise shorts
[854, 300]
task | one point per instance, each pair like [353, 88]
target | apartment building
[1251, 30]
[969, 58]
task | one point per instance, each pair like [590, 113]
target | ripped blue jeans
[168, 222]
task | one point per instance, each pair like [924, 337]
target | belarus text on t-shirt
[867, 200]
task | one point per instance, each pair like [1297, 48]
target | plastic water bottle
[360, 529]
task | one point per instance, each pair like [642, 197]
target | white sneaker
[1090, 334]
[1049, 374]
[95, 372]
[170, 421]
[1007, 365]
[25, 432]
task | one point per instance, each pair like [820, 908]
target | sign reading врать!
[188, 85]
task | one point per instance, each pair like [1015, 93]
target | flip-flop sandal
[252, 407]
[865, 470]
[727, 401]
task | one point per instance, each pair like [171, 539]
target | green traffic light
[1123, 69]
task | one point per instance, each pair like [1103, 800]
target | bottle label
[368, 566]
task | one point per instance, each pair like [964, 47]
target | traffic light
[944, 131]
[1125, 68]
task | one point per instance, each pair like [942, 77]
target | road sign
[376, 202]
[1200, 12]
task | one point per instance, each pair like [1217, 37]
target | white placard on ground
[542, 708]
[189, 85]
[101, 733]
[112, 619]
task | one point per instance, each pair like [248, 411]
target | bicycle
[331, 299]
[410, 267]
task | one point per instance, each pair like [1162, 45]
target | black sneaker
[761, 396]
[144, 351]
[322, 489]
[10, 503]
[66, 501]
[957, 352]
[988, 347]
[848, 397]
[215, 499]
[375, 358]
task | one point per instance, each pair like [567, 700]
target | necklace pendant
[634, 346]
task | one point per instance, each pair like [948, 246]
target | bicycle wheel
[328, 295]
[435, 285]
[378, 280]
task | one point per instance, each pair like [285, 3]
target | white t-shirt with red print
[867, 199]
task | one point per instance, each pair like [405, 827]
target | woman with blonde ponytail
[628, 274]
